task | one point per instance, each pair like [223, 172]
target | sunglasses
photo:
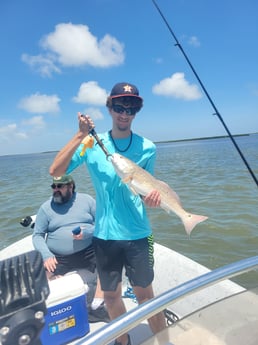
[120, 109]
[58, 186]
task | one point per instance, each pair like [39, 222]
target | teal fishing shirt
[120, 215]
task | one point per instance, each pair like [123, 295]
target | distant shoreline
[192, 139]
[205, 138]
[156, 142]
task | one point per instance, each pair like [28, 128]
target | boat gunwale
[144, 311]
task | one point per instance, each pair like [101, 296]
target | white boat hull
[171, 270]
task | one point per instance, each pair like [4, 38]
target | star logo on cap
[128, 88]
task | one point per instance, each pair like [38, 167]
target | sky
[60, 57]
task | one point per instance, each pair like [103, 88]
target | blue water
[208, 175]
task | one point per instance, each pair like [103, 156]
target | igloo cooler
[67, 316]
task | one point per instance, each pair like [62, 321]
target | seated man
[62, 250]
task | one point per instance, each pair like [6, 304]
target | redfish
[141, 182]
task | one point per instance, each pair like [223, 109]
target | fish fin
[127, 180]
[191, 220]
[170, 192]
[133, 190]
[177, 198]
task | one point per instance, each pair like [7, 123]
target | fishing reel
[28, 221]
[23, 291]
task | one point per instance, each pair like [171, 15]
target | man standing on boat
[62, 249]
[122, 235]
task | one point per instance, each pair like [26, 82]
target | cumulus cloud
[91, 93]
[15, 133]
[94, 113]
[177, 87]
[10, 132]
[37, 122]
[44, 65]
[38, 103]
[74, 45]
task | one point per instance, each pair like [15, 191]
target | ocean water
[208, 175]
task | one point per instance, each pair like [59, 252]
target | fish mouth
[109, 157]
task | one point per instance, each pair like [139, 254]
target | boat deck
[212, 310]
[233, 321]
[226, 322]
[139, 334]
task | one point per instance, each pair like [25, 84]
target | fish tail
[191, 220]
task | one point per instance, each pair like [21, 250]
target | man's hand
[50, 264]
[79, 236]
[85, 123]
[152, 199]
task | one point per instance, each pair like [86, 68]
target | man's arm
[39, 234]
[39, 241]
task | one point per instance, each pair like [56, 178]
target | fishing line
[217, 113]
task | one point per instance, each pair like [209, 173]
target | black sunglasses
[120, 109]
[59, 185]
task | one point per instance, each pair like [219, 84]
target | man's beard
[59, 198]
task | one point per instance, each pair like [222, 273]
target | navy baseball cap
[125, 90]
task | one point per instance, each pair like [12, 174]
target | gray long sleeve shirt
[55, 222]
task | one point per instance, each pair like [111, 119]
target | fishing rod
[93, 133]
[207, 94]
[100, 143]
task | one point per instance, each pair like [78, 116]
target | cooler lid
[65, 288]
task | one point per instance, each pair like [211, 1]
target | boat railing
[144, 311]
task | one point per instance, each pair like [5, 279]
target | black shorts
[135, 256]
[85, 258]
